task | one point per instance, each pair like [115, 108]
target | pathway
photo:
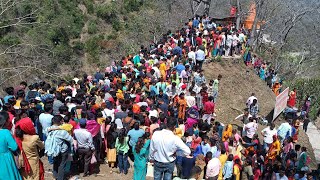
[314, 138]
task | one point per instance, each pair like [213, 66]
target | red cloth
[199, 41]
[208, 107]
[26, 125]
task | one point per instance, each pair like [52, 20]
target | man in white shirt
[268, 134]
[164, 144]
[250, 100]
[192, 55]
[200, 57]
[213, 167]
[250, 130]
[85, 144]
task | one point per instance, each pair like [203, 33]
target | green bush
[89, 5]
[132, 5]
[116, 25]
[307, 87]
[93, 48]
[92, 27]
[10, 40]
[78, 46]
[107, 12]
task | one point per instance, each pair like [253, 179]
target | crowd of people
[153, 112]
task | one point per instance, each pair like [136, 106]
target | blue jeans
[123, 162]
[163, 170]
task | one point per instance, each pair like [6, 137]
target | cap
[82, 121]
[184, 86]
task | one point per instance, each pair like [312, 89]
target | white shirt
[156, 72]
[164, 145]
[200, 55]
[268, 134]
[250, 100]
[281, 178]
[213, 167]
[108, 112]
[84, 138]
[251, 129]
[192, 55]
[153, 113]
[191, 101]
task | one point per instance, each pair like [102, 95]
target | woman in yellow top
[163, 69]
[237, 169]
[227, 133]
[274, 149]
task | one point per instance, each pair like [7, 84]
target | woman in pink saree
[192, 117]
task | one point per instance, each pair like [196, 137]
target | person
[45, 119]
[254, 108]
[200, 56]
[280, 175]
[213, 167]
[216, 88]
[237, 169]
[268, 134]
[8, 146]
[30, 147]
[162, 147]
[250, 100]
[274, 149]
[305, 124]
[122, 148]
[247, 169]
[195, 174]
[227, 133]
[134, 134]
[228, 168]
[111, 143]
[140, 153]
[85, 145]
[187, 163]
[284, 131]
[292, 98]
[208, 110]
[302, 162]
[250, 130]
[56, 145]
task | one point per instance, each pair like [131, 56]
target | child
[228, 168]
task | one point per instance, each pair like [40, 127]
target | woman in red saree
[292, 98]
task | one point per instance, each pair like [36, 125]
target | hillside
[234, 89]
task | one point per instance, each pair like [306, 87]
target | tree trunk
[238, 15]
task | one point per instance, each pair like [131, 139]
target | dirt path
[314, 134]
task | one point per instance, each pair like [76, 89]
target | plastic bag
[93, 159]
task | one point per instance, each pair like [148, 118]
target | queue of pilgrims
[154, 111]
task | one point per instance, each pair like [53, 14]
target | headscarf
[26, 125]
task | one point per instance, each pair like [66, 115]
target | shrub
[89, 5]
[92, 47]
[116, 25]
[107, 12]
[92, 27]
[10, 40]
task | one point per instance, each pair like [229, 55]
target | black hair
[63, 109]
[21, 93]
[122, 135]
[136, 125]
[4, 116]
[48, 107]
[56, 119]
[9, 90]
